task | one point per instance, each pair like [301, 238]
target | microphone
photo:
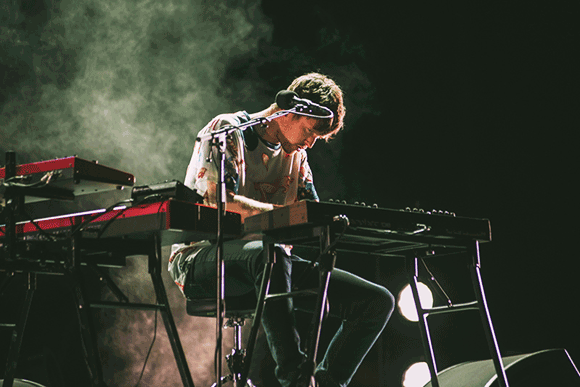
[287, 99]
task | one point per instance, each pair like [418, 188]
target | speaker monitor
[550, 367]
[22, 383]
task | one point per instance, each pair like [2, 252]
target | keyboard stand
[412, 263]
[70, 269]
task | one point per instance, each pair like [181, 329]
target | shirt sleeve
[202, 170]
[306, 188]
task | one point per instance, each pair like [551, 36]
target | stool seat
[238, 306]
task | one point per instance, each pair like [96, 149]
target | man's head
[322, 90]
[295, 131]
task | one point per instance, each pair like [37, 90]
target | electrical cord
[87, 221]
[437, 284]
[40, 229]
[346, 225]
[149, 351]
[9, 184]
[144, 200]
[43, 182]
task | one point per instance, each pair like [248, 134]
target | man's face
[296, 133]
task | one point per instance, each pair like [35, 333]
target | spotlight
[406, 303]
[417, 375]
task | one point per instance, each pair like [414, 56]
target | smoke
[125, 82]
[128, 83]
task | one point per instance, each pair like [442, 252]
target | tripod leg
[18, 332]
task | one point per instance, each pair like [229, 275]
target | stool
[249, 305]
[238, 309]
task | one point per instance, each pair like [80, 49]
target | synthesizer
[378, 230]
[176, 221]
[65, 178]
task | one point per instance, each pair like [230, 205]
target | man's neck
[267, 132]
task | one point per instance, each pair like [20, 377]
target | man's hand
[238, 203]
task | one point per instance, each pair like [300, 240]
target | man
[266, 167]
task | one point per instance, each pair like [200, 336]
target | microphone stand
[218, 140]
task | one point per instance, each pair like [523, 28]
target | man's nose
[311, 141]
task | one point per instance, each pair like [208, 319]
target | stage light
[406, 303]
[417, 375]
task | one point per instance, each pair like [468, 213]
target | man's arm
[237, 203]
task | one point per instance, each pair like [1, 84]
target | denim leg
[242, 263]
[244, 266]
[279, 323]
[365, 308]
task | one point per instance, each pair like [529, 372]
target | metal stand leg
[326, 266]
[152, 249]
[236, 359]
[486, 318]
[6, 281]
[413, 274]
[270, 254]
[480, 304]
[83, 311]
[327, 263]
[163, 302]
[108, 282]
[18, 333]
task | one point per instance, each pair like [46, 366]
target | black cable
[438, 286]
[43, 182]
[36, 225]
[312, 266]
[40, 229]
[149, 351]
[346, 222]
[86, 222]
[142, 201]
[108, 222]
[131, 201]
[38, 184]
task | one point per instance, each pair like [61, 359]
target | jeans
[363, 306]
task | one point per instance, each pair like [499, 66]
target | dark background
[461, 107]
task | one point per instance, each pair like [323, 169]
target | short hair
[322, 90]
